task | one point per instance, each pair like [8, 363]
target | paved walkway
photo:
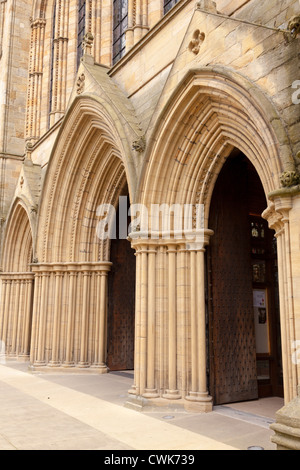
[87, 412]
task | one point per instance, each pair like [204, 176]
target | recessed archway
[85, 176]
[211, 113]
[17, 283]
[244, 325]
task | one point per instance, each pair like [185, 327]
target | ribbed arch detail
[17, 246]
[208, 116]
[86, 169]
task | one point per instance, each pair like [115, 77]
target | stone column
[101, 319]
[59, 61]
[35, 79]
[5, 300]
[135, 388]
[151, 391]
[95, 28]
[277, 215]
[14, 312]
[198, 389]
[41, 316]
[25, 352]
[143, 320]
[55, 359]
[69, 360]
[83, 362]
[131, 23]
[172, 393]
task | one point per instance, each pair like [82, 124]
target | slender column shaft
[57, 316]
[172, 392]
[85, 318]
[198, 389]
[194, 339]
[69, 362]
[2, 312]
[101, 320]
[135, 388]
[42, 320]
[35, 318]
[28, 318]
[15, 316]
[201, 327]
[283, 320]
[143, 322]
[151, 391]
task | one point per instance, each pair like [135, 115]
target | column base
[172, 395]
[100, 368]
[151, 393]
[68, 365]
[23, 357]
[287, 426]
[83, 365]
[39, 364]
[132, 390]
[199, 401]
[54, 364]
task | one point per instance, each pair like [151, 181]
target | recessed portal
[244, 329]
[121, 305]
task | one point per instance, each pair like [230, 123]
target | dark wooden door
[233, 375]
[121, 307]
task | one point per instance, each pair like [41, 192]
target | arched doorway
[121, 303]
[244, 330]
[17, 284]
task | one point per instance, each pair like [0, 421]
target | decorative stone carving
[87, 43]
[289, 179]
[294, 26]
[139, 145]
[207, 5]
[80, 84]
[196, 42]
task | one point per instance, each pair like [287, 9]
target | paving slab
[86, 412]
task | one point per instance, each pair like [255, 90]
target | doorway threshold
[260, 412]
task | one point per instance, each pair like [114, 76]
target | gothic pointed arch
[212, 111]
[39, 8]
[17, 282]
[90, 165]
[17, 249]
[89, 168]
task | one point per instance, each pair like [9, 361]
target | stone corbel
[274, 218]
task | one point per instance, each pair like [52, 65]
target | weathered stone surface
[287, 426]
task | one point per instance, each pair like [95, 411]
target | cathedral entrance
[244, 329]
[121, 305]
